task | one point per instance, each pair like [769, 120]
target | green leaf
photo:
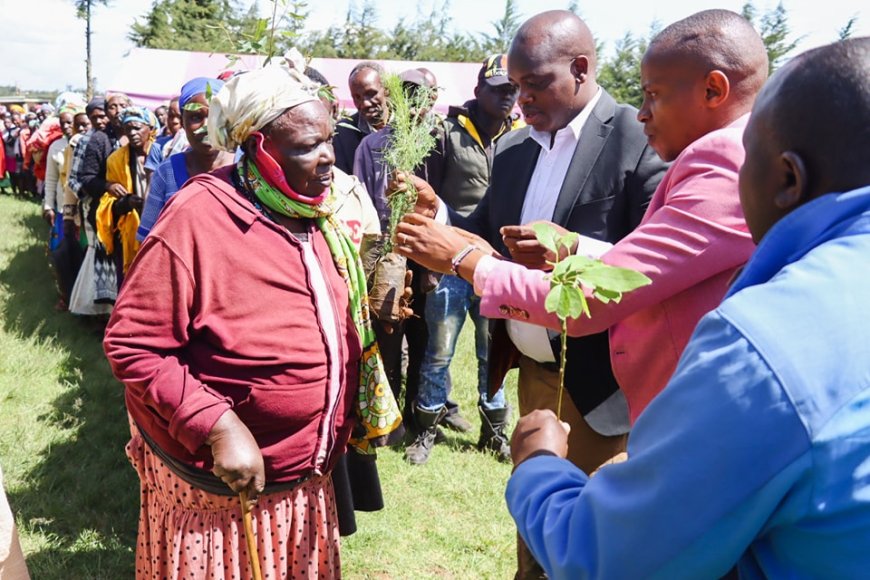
[554, 296]
[568, 241]
[566, 302]
[572, 264]
[547, 236]
[605, 296]
[600, 276]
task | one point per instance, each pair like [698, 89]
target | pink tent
[151, 77]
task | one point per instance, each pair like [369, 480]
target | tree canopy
[224, 26]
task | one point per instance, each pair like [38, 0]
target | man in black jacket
[583, 164]
[372, 114]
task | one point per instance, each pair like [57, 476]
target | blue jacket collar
[807, 227]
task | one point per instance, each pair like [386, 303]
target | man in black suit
[584, 164]
[372, 113]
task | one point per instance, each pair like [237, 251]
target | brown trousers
[539, 389]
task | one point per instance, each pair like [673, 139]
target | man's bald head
[716, 40]
[552, 63]
[809, 133]
[818, 105]
[552, 36]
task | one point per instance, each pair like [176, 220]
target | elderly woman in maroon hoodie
[243, 339]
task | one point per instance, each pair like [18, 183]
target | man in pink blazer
[698, 91]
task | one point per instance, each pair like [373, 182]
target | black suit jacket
[606, 190]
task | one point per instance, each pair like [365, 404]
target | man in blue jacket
[756, 453]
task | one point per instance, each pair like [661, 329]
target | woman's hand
[427, 201]
[237, 457]
[48, 216]
[116, 189]
[430, 244]
[407, 311]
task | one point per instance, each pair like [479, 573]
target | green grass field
[75, 497]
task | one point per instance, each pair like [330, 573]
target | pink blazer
[690, 241]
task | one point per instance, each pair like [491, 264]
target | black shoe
[417, 453]
[456, 422]
[493, 423]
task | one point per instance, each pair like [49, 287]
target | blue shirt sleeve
[160, 191]
[710, 461]
[155, 154]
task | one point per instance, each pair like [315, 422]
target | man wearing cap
[470, 132]
[371, 170]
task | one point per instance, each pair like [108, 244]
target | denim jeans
[446, 310]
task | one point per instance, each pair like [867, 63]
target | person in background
[91, 174]
[372, 113]
[68, 262]
[371, 170]
[120, 207]
[470, 133]
[83, 299]
[161, 114]
[52, 207]
[755, 454]
[10, 134]
[170, 129]
[201, 157]
[246, 261]
[352, 204]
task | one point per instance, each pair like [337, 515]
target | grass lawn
[75, 496]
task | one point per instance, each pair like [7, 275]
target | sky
[48, 50]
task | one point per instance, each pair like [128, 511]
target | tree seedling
[572, 278]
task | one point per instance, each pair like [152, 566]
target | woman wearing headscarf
[53, 202]
[83, 298]
[243, 338]
[118, 212]
[200, 158]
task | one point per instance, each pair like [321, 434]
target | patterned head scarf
[139, 115]
[250, 101]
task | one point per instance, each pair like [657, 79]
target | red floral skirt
[185, 532]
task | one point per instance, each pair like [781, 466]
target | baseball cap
[413, 77]
[494, 70]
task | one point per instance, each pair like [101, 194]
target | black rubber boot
[417, 452]
[493, 423]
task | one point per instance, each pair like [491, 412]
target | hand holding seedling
[539, 433]
[573, 276]
[525, 248]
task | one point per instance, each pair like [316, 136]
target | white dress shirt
[539, 204]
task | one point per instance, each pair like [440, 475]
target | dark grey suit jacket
[606, 190]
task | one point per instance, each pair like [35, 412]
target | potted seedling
[574, 276]
[411, 140]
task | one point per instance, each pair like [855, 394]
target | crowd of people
[716, 420]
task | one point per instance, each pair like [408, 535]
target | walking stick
[253, 554]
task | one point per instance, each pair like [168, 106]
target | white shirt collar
[572, 131]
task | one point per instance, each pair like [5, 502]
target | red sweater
[217, 313]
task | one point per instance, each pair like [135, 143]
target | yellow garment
[118, 171]
[126, 228]
[466, 124]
